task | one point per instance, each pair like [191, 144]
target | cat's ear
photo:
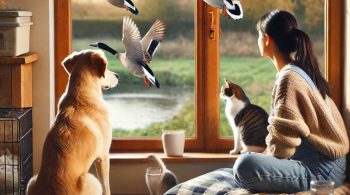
[227, 83]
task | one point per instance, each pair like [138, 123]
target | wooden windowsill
[186, 158]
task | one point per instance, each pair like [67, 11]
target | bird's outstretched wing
[155, 33]
[132, 40]
[151, 50]
[127, 4]
[117, 3]
[131, 7]
[234, 9]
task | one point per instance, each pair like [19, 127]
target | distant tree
[314, 12]
[169, 10]
[309, 13]
[254, 9]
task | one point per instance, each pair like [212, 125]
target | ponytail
[306, 60]
[282, 27]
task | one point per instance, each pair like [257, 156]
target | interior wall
[41, 42]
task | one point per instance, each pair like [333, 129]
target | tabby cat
[158, 178]
[248, 121]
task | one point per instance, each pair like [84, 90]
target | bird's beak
[94, 45]
[226, 83]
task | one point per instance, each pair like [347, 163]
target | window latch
[212, 26]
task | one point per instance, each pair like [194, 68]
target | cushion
[218, 182]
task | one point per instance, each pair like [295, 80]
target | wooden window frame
[207, 66]
[335, 22]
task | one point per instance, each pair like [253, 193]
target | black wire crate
[16, 153]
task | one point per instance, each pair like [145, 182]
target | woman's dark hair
[282, 27]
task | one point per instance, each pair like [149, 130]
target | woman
[307, 137]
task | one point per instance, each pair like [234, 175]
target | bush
[90, 28]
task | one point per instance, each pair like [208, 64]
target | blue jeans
[261, 173]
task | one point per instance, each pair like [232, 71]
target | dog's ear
[69, 62]
[100, 63]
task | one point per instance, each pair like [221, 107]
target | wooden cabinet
[16, 81]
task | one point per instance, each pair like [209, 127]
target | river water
[138, 107]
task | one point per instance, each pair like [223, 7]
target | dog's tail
[31, 186]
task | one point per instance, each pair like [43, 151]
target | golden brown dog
[81, 134]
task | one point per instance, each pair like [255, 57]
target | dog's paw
[234, 152]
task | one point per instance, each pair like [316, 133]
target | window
[206, 135]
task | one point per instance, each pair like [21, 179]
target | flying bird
[232, 8]
[127, 4]
[138, 52]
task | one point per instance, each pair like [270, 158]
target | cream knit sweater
[299, 111]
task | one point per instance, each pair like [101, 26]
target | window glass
[138, 111]
[240, 60]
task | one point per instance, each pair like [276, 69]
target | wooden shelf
[22, 59]
[16, 81]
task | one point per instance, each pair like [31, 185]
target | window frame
[207, 66]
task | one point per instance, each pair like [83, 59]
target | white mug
[173, 142]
